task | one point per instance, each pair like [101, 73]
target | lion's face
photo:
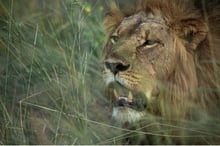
[139, 55]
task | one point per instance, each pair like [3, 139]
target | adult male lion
[161, 69]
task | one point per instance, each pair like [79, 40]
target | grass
[51, 73]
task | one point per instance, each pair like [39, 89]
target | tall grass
[50, 73]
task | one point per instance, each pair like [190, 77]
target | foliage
[51, 73]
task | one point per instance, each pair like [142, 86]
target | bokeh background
[51, 88]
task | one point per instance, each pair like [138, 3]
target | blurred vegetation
[51, 73]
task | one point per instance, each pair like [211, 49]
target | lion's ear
[194, 31]
[112, 18]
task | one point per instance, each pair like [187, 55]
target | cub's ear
[193, 31]
[112, 18]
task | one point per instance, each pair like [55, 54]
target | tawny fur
[197, 67]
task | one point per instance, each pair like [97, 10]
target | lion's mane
[193, 88]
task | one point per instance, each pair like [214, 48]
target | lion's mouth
[128, 104]
[133, 100]
[124, 97]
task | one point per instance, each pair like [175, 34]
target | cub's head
[147, 53]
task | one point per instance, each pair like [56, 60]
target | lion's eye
[114, 39]
[150, 44]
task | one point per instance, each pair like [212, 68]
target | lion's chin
[126, 115]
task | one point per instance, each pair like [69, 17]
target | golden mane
[195, 82]
[185, 19]
[174, 10]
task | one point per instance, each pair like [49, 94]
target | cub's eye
[150, 44]
[114, 39]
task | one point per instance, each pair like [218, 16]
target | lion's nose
[116, 67]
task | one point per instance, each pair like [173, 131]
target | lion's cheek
[150, 70]
[164, 67]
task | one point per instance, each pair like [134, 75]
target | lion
[161, 71]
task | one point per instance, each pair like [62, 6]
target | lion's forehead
[140, 22]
